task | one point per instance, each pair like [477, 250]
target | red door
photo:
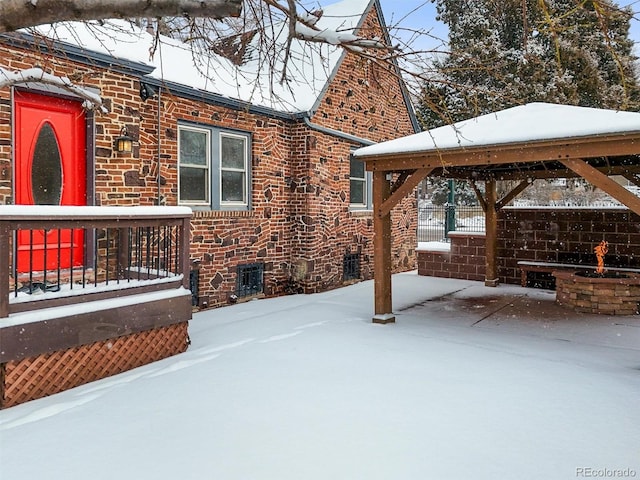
[50, 169]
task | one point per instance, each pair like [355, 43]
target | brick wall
[222, 240]
[465, 259]
[565, 235]
[365, 98]
[544, 235]
[367, 102]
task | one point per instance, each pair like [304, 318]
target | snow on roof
[525, 123]
[310, 64]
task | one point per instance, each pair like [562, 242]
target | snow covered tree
[517, 51]
[438, 190]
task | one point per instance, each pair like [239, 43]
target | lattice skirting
[37, 377]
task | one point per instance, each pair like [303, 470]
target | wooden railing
[54, 256]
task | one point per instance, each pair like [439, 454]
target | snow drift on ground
[470, 383]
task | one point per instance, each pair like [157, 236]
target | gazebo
[522, 143]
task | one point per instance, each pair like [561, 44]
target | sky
[470, 382]
[421, 14]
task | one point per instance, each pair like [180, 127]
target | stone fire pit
[609, 295]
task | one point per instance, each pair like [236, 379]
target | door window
[46, 168]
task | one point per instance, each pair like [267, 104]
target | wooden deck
[131, 282]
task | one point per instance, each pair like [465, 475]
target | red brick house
[278, 203]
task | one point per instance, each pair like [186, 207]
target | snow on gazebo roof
[256, 81]
[533, 122]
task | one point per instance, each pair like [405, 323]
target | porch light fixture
[124, 143]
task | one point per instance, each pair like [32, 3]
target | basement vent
[250, 279]
[351, 266]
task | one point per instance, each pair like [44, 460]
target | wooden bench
[548, 267]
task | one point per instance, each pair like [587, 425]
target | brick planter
[601, 295]
[463, 258]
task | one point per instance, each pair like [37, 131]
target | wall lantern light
[124, 143]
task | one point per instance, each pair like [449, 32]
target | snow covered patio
[470, 382]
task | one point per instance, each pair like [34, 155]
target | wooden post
[491, 239]
[5, 248]
[184, 260]
[382, 250]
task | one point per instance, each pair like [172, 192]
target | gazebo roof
[524, 123]
[527, 140]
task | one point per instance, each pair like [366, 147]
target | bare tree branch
[17, 14]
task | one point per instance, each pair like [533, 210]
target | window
[250, 279]
[233, 167]
[195, 161]
[359, 185]
[214, 168]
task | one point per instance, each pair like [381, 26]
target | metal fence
[436, 221]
